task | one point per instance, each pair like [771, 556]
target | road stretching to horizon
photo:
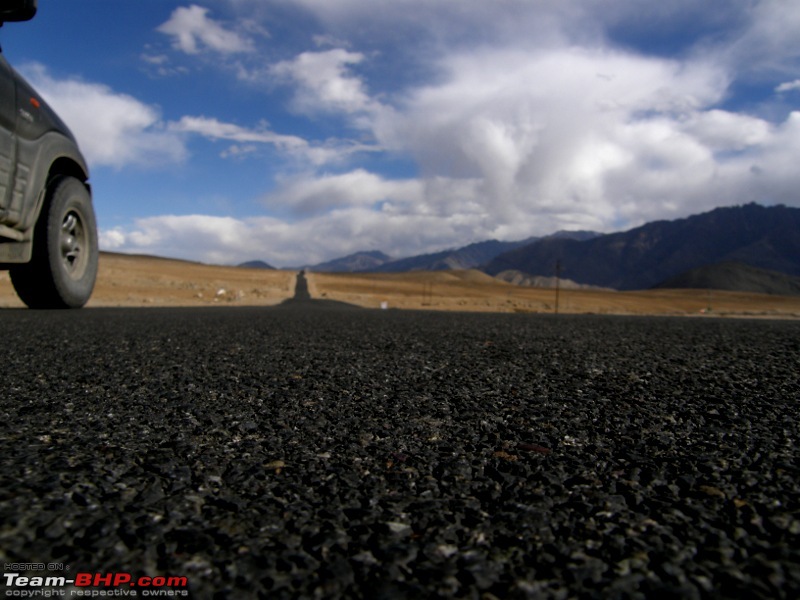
[301, 293]
[319, 450]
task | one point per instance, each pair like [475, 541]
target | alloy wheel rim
[73, 241]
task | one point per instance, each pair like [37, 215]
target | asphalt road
[318, 450]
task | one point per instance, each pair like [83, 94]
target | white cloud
[172, 235]
[726, 131]
[155, 59]
[239, 151]
[111, 239]
[544, 131]
[325, 82]
[113, 129]
[192, 30]
[788, 86]
[319, 195]
[215, 129]
[316, 154]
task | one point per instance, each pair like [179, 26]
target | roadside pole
[558, 278]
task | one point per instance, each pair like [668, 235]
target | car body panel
[35, 146]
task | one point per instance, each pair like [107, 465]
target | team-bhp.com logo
[95, 585]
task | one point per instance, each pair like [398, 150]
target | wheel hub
[73, 238]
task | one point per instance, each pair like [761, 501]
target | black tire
[64, 265]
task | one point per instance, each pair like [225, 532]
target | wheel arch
[62, 166]
[66, 166]
[54, 156]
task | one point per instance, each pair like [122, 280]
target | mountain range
[472, 256]
[468, 257]
[353, 263]
[766, 238]
[746, 248]
[256, 264]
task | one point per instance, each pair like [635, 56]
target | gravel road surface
[319, 451]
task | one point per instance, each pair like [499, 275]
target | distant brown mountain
[468, 257]
[540, 281]
[256, 264]
[473, 256]
[360, 261]
[641, 258]
[736, 277]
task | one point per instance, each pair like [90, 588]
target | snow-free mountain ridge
[747, 248]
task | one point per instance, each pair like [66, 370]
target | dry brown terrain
[476, 291]
[126, 280]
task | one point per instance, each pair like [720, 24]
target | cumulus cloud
[320, 195]
[113, 129]
[171, 235]
[192, 30]
[546, 132]
[324, 81]
[725, 131]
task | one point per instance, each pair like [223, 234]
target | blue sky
[296, 131]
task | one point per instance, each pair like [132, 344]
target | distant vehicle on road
[48, 232]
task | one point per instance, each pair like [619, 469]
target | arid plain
[125, 280]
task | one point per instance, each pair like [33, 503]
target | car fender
[39, 161]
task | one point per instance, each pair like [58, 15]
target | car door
[8, 118]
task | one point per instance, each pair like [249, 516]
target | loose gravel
[317, 451]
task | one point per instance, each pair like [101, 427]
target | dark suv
[48, 235]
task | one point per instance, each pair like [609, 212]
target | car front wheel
[63, 270]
